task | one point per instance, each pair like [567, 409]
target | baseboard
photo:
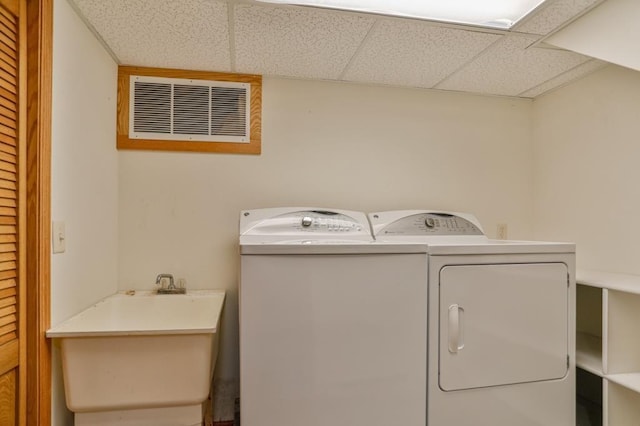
[225, 423]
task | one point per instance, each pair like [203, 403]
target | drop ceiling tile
[576, 73]
[552, 16]
[417, 54]
[510, 68]
[295, 41]
[190, 34]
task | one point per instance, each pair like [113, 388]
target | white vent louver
[193, 110]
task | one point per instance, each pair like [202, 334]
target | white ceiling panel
[303, 42]
[553, 15]
[189, 34]
[571, 75]
[415, 53]
[295, 41]
[510, 68]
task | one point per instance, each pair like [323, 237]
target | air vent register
[175, 109]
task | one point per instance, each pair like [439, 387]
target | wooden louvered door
[11, 206]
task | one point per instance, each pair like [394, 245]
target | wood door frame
[35, 407]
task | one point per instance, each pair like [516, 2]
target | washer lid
[426, 225]
[303, 225]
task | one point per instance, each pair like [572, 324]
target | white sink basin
[141, 359]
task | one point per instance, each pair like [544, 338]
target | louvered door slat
[8, 310]
[9, 149]
[7, 202]
[6, 130]
[6, 257]
[8, 30]
[8, 336]
[5, 329]
[8, 319]
[8, 301]
[8, 211]
[6, 75]
[11, 44]
[9, 73]
[6, 102]
[7, 229]
[8, 23]
[8, 122]
[8, 184]
[10, 97]
[7, 157]
[5, 193]
[7, 175]
[9, 17]
[8, 284]
[6, 112]
[7, 266]
[7, 292]
[7, 144]
[4, 275]
[8, 82]
[6, 49]
[6, 244]
[7, 220]
[8, 63]
[8, 167]
[4, 239]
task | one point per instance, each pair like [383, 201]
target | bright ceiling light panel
[502, 14]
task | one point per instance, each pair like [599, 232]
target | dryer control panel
[424, 224]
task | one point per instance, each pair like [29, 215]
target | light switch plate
[59, 237]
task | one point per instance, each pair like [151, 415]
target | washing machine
[333, 327]
[501, 322]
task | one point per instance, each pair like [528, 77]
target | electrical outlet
[501, 232]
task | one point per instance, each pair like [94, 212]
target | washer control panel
[322, 221]
[430, 224]
[304, 222]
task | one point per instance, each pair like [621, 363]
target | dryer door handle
[456, 337]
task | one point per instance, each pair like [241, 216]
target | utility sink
[141, 359]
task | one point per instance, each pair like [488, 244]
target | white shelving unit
[608, 341]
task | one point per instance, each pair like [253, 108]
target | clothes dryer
[333, 327]
[501, 322]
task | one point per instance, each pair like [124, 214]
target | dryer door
[502, 324]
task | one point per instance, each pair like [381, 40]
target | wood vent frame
[125, 142]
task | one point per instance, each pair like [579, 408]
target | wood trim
[22, 215]
[255, 137]
[38, 161]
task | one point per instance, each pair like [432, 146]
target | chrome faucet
[159, 281]
[171, 289]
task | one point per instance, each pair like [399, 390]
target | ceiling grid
[311, 43]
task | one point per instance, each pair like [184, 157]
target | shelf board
[589, 353]
[628, 380]
[621, 282]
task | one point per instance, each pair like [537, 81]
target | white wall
[330, 145]
[587, 168]
[84, 187]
